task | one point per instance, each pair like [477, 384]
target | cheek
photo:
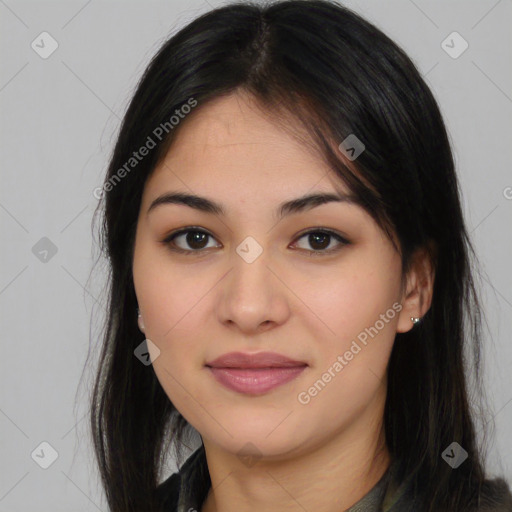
[175, 323]
[350, 365]
[357, 308]
[169, 296]
[345, 301]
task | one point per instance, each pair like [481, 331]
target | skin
[310, 308]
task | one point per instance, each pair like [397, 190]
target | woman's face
[251, 281]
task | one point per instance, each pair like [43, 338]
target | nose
[252, 296]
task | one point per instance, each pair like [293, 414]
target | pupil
[314, 237]
[194, 237]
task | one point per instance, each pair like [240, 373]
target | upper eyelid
[329, 231]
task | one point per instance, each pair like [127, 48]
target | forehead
[237, 117]
[232, 142]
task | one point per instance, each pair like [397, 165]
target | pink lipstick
[254, 374]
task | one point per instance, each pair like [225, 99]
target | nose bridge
[250, 274]
[252, 294]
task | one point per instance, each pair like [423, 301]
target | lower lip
[255, 381]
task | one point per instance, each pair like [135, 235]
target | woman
[282, 211]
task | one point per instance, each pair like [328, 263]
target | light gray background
[59, 118]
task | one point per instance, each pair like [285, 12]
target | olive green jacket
[186, 491]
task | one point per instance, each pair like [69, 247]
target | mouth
[254, 374]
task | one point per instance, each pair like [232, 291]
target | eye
[196, 238]
[320, 238]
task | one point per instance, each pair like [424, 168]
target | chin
[262, 440]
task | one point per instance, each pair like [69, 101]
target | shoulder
[492, 496]
[495, 496]
[167, 493]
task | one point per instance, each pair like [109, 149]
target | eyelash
[169, 240]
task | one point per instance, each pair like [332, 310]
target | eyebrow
[297, 205]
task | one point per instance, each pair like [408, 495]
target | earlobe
[141, 322]
[419, 291]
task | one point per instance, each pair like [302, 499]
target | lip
[258, 360]
[254, 374]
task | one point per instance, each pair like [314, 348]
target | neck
[327, 478]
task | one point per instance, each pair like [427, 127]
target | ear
[417, 296]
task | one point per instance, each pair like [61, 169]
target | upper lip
[259, 360]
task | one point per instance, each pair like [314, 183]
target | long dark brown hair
[334, 74]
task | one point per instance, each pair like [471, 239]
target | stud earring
[415, 320]
[140, 321]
